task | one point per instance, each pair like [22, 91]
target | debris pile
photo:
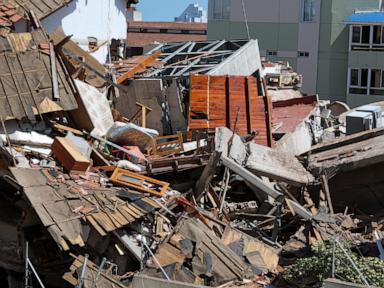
[164, 170]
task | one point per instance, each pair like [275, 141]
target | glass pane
[356, 34]
[354, 77]
[382, 79]
[375, 78]
[217, 9]
[226, 9]
[221, 9]
[382, 35]
[364, 77]
[309, 10]
[377, 34]
[365, 36]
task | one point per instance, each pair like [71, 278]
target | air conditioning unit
[358, 121]
[376, 113]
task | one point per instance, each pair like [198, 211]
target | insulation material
[215, 100]
[97, 106]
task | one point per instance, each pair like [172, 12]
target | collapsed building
[193, 165]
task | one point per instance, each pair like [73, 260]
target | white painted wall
[103, 19]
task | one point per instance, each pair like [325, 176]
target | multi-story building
[366, 57]
[193, 13]
[311, 35]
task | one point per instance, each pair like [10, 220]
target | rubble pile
[164, 173]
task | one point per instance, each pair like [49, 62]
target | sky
[165, 10]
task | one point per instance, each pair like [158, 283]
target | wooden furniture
[69, 155]
[141, 114]
[167, 145]
[139, 182]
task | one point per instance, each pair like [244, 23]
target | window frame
[223, 15]
[360, 33]
[369, 89]
[312, 18]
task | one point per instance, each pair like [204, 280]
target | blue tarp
[366, 17]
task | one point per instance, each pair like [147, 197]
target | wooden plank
[207, 175]
[139, 67]
[97, 227]
[104, 221]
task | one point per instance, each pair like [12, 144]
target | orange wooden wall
[215, 100]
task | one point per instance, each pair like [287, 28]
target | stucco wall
[103, 19]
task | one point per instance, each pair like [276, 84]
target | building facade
[366, 58]
[311, 35]
[193, 13]
[93, 24]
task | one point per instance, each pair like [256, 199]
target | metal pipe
[34, 272]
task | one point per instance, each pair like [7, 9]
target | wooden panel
[210, 95]
[198, 102]
[237, 100]
[217, 102]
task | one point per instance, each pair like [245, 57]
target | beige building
[311, 34]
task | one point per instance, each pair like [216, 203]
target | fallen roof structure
[28, 79]
[288, 114]
[41, 8]
[219, 57]
[352, 165]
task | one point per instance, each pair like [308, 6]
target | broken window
[309, 11]
[221, 9]
[356, 34]
[354, 77]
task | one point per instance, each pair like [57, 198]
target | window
[221, 9]
[382, 78]
[271, 53]
[365, 34]
[376, 78]
[356, 34]
[354, 77]
[92, 43]
[309, 11]
[377, 34]
[359, 84]
[367, 38]
[364, 78]
[303, 54]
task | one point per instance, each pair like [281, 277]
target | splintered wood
[214, 101]
[63, 211]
